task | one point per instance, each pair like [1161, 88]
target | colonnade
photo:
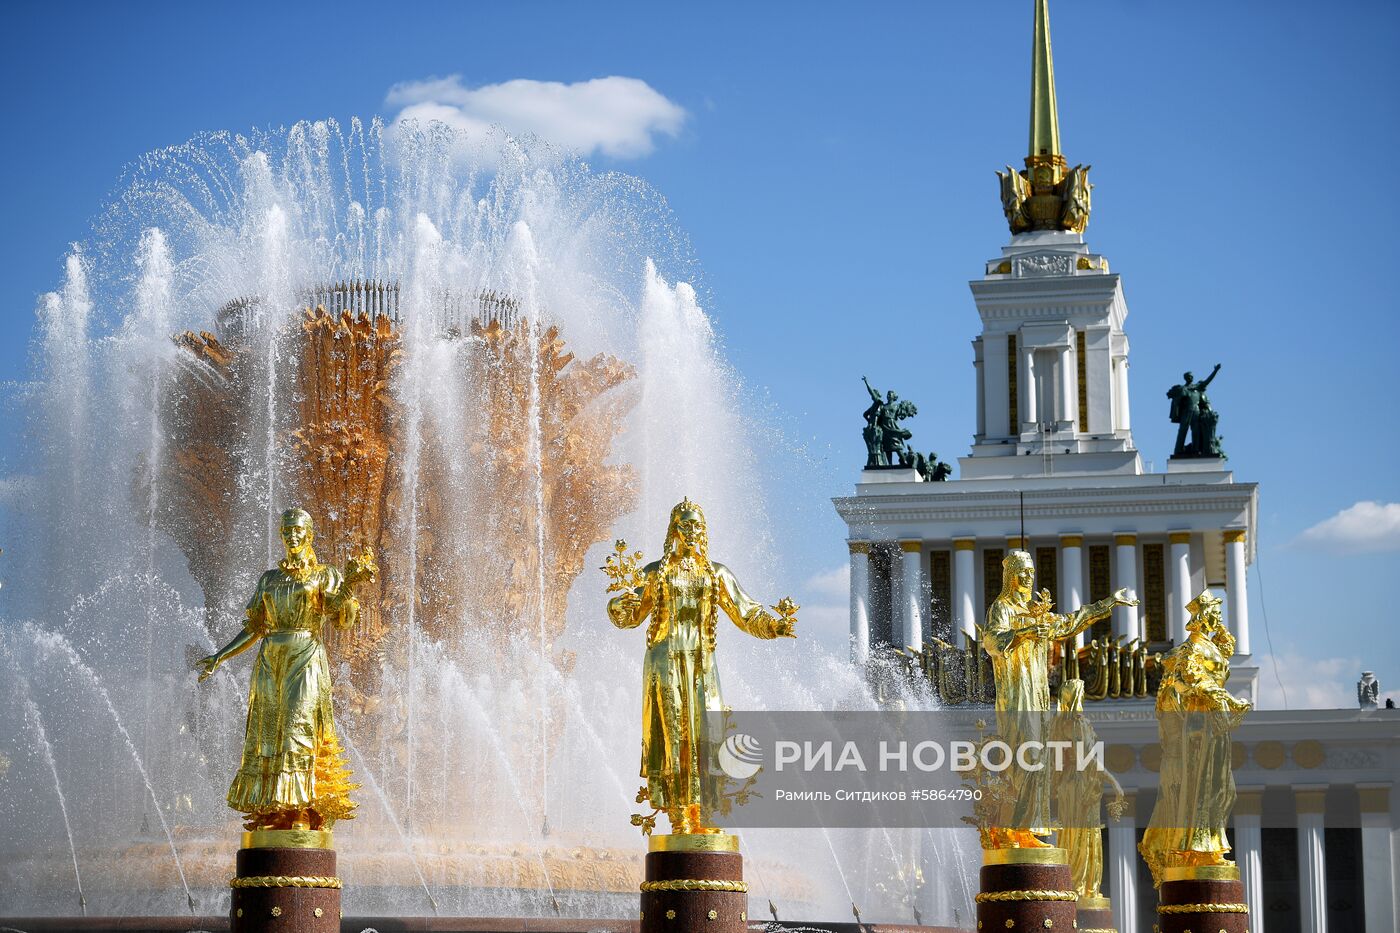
[909, 605]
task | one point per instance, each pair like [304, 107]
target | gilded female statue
[1019, 633]
[1195, 716]
[683, 594]
[293, 774]
[1079, 794]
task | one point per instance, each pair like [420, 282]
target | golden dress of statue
[293, 774]
[1018, 636]
[683, 594]
[1195, 716]
[1079, 794]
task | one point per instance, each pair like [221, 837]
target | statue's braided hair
[670, 563]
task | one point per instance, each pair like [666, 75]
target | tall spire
[1045, 118]
[1048, 194]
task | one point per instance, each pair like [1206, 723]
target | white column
[1312, 858]
[1069, 390]
[1125, 418]
[1122, 869]
[894, 594]
[1249, 843]
[1377, 858]
[1236, 589]
[1072, 577]
[913, 596]
[1025, 390]
[1181, 585]
[964, 583]
[860, 601]
[1125, 618]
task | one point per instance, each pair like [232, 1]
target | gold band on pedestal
[289, 839]
[285, 881]
[1094, 903]
[1203, 909]
[993, 897]
[693, 842]
[695, 884]
[1201, 873]
[1048, 855]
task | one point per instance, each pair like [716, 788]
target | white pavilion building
[1054, 470]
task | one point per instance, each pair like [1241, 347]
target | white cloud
[834, 584]
[619, 117]
[826, 614]
[1365, 526]
[1315, 683]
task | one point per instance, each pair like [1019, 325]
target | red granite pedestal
[285, 882]
[1026, 889]
[1202, 898]
[1095, 915]
[694, 884]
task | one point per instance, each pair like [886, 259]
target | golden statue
[1018, 636]
[293, 774]
[1195, 716]
[682, 594]
[1078, 795]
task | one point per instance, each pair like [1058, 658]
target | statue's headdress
[297, 516]
[673, 527]
[1203, 603]
[1012, 564]
[1018, 560]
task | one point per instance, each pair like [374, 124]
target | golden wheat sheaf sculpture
[504, 542]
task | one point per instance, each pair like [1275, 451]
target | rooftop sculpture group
[887, 441]
[1191, 411]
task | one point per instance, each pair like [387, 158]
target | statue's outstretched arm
[873, 393]
[1205, 382]
[745, 611]
[1071, 624]
[252, 630]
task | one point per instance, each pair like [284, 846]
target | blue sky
[832, 165]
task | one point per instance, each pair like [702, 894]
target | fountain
[484, 361]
